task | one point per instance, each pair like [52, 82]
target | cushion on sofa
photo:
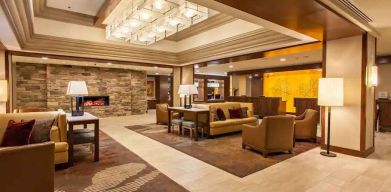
[220, 114]
[235, 113]
[17, 133]
[41, 131]
[229, 122]
[244, 112]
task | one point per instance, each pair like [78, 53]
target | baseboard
[351, 152]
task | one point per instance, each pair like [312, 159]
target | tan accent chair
[58, 133]
[27, 168]
[230, 125]
[306, 125]
[162, 114]
[274, 134]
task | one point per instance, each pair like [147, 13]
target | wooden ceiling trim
[105, 11]
[208, 24]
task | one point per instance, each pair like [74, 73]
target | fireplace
[95, 101]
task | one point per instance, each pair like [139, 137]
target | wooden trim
[362, 154]
[208, 24]
[364, 63]
[383, 59]
[75, 58]
[7, 65]
[278, 69]
[104, 12]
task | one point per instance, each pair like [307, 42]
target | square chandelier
[145, 22]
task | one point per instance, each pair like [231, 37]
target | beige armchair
[306, 125]
[162, 113]
[27, 168]
[274, 134]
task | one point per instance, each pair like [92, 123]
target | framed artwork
[151, 88]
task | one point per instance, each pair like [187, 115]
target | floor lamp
[330, 94]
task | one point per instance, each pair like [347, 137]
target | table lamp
[187, 91]
[77, 89]
[330, 94]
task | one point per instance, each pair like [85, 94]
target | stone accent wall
[126, 88]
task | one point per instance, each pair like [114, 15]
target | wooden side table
[84, 120]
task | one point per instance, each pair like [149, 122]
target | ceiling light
[145, 15]
[197, 71]
[142, 39]
[109, 63]
[196, 66]
[231, 66]
[156, 73]
[161, 29]
[134, 24]
[156, 67]
[189, 13]
[44, 58]
[151, 35]
[158, 5]
[173, 22]
[282, 59]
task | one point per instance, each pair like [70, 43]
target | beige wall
[343, 59]
[2, 76]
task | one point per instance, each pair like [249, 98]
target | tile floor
[306, 172]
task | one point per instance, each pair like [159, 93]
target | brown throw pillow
[244, 112]
[17, 134]
[41, 131]
[235, 113]
[220, 114]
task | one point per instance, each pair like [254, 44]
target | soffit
[88, 7]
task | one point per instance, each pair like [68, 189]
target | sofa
[27, 168]
[274, 134]
[58, 133]
[229, 125]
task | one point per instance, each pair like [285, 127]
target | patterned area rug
[118, 170]
[224, 152]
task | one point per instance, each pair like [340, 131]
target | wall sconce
[3, 90]
[374, 81]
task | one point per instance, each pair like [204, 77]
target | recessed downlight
[231, 66]
[156, 67]
[282, 59]
[156, 73]
[45, 58]
[196, 66]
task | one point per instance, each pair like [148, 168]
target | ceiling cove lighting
[145, 22]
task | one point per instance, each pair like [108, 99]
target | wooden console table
[195, 111]
[87, 118]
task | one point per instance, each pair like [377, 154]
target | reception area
[194, 95]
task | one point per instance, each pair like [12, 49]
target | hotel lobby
[195, 95]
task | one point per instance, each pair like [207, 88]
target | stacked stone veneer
[44, 86]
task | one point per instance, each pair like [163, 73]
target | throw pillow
[244, 112]
[17, 133]
[220, 114]
[41, 131]
[215, 117]
[235, 113]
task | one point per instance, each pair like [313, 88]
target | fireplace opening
[95, 101]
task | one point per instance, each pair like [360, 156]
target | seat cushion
[60, 147]
[229, 122]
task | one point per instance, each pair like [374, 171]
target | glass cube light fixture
[145, 22]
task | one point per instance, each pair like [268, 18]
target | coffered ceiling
[50, 26]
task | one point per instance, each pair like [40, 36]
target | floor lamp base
[328, 154]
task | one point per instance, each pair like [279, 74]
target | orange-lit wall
[292, 84]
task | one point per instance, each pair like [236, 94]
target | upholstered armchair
[274, 134]
[27, 168]
[306, 125]
[162, 113]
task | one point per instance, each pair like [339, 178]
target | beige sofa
[58, 133]
[230, 125]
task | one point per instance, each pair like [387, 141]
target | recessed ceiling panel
[89, 7]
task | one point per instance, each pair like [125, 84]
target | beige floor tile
[362, 184]
[324, 187]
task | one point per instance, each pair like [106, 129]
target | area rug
[118, 170]
[224, 152]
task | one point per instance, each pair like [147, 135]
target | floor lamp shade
[330, 92]
[330, 95]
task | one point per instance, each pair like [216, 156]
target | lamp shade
[187, 90]
[330, 92]
[3, 90]
[77, 88]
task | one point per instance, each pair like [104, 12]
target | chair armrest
[27, 168]
[55, 134]
[254, 135]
